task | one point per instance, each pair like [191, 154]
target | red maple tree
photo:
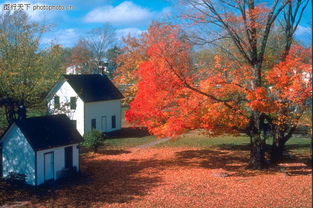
[175, 96]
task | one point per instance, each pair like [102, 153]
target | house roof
[93, 87]
[49, 131]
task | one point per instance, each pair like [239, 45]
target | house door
[49, 166]
[68, 157]
[103, 123]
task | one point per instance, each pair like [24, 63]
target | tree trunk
[257, 144]
[95, 148]
[279, 140]
[10, 112]
[257, 153]
[277, 151]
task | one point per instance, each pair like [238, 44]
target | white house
[91, 101]
[75, 69]
[88, 68]
[41, 148]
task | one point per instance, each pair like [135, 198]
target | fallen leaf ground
[175, 177]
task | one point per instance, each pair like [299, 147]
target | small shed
[41, 148]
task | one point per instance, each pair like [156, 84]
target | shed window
[113, 122]
[56, 102]
[73, 102]
[93, 124]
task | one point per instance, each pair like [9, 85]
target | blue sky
[125, 16]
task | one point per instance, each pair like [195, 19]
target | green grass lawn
[194, 140]
[127, 137]
[296, 145]
[128, 142]
[138, 137]
[299, 145]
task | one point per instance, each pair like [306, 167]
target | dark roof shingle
[49, 131]
[93, 87]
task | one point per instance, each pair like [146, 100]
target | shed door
[68, 157]
[103, 123]
[49, 166]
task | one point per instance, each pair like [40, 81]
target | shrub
[16, 179]
[93, 139]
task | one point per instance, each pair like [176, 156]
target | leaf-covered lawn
[175, 177]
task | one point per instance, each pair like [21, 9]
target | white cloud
[120, 33]
[167, 11]
[304, 35]
[66, 37]
[126, 13]
[69, 37]
[302, 30]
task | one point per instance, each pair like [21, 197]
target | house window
[93, 124]
[113, 122]
[73, 102]
[56, 102]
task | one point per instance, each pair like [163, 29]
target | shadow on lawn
[297, 146]
[234, 163]
[104, 181]
[240, 147]
[128, 132]
[231, 162]
[101, 181]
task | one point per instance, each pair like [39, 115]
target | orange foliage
[79, 55]
[260, 101]
[174, 97]
[128, 62]
[292, 79]
[291, 85]
[165, 105]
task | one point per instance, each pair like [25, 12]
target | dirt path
[143, 146]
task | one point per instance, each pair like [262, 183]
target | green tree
[53, 63]
[20, 71]
[128, 61]
[93, 139]
[111, 56]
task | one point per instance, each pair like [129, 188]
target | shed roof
[93, 87]
[47, 132]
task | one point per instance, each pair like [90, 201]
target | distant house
[91, 101]
[73, 69]
[41, 148]
[91, 67]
